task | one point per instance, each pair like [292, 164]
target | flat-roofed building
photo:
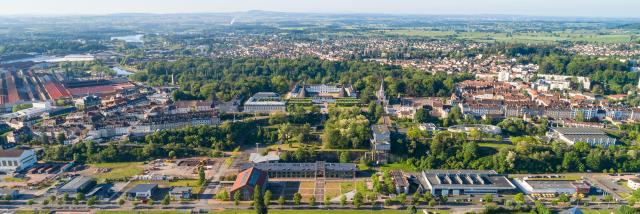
[319, 169]
[181, 192]
[572, 135]
[544, 185]
[634, 183]
[15, 160]
[265, 102]
[464, 182]
[142, 191]
[77, 185]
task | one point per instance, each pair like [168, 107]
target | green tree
[344, 157]
[327, 201]
[121, 202]
[358, 200]
[297, 198]
[30, 202]
[91, 201]
[267, 198]
[201, 176]
[80, 196]
[415, 199]
[150, 202]
[343, 200]
[166, 200]
[487, 198]
[402, 199]
[519, 198]
[412, 209]
[281, 200]
[312, 201]
[624, 209]
[237, 197]
[258, 201]
[45, 202]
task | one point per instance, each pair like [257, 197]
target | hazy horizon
[567, 8]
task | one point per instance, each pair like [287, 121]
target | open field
[118, 170]
[144, 212]
[539, 37]
[312, 211]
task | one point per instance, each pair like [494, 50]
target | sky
[583, 8]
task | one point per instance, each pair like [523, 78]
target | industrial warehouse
[318, 169]
[459, 182]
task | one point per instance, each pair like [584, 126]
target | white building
[265, 102]
[633, 183]
[13, 160]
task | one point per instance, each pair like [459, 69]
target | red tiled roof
[250, 177]
[101, 89]
[56, 90]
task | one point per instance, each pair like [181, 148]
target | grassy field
[12, 179]
[496, 146]
[398, 166]
[118, 170]
[144, 212]
[312, 211]
[540, 37]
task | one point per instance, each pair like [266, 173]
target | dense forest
[201, 78]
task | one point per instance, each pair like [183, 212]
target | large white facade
[16, 160]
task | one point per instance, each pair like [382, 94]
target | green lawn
[496, 146]
[587, 211]
[346, 187]
[312, 211]
[118, 170]
[12, 179]
[144, 212]
[398, 166]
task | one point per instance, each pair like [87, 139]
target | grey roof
[551, 184]
[76, 183]
[301, 166]
[579, 131]
[181, 189]
[142, 188]
[259, 158]
[466, 179]
[380, 129]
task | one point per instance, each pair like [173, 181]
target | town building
[265, 102]
[88, 102]
[551, 185]
[16, 160]
[247, 181]
[271, 157]
[80, 184]
[319, 169]
[380, 144]
[465, 182]
[572, 135]
[322, 93]
[633, 183]
[181, 192]
[400, 181]
[142, 191]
